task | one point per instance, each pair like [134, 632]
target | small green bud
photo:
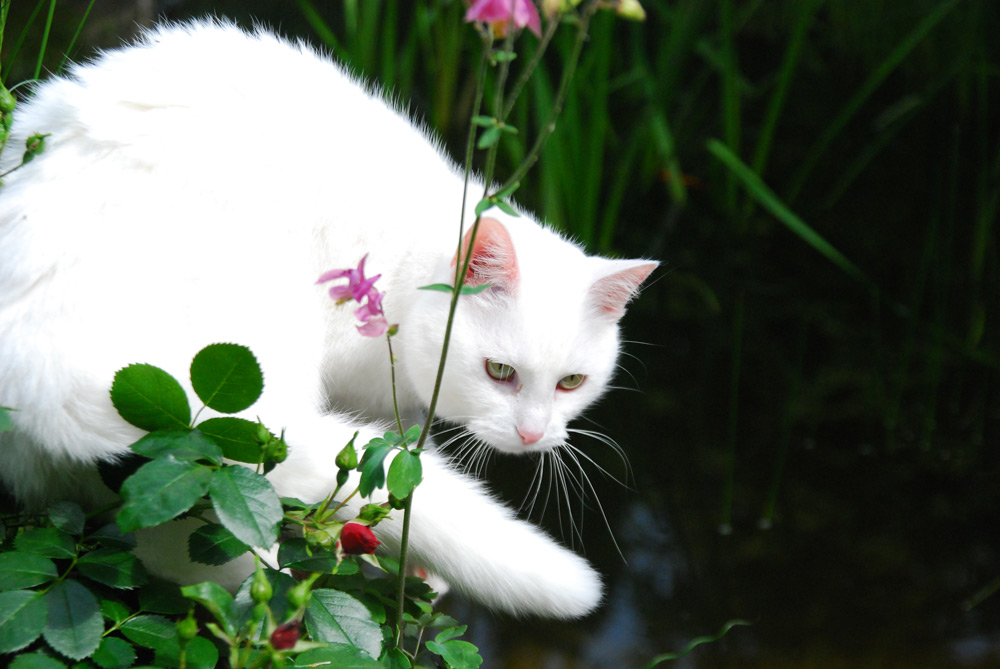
[299, 595]
[263, 434]
[276, 450]
[317, 537]
[342, 476]
[187, 628]
[7, 100]
[260, 589]
[373, 513]
[348, 456]
[396, 503]
[34, 146]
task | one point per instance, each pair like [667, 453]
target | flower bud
[631, 10]
[276, 450]
[187, 628]
[348, 457]
[285, 636]
[7, 101]
[299, 595]
[357, 539]
[260, 589]
[373, 513]
[317, 537]
[342, 476]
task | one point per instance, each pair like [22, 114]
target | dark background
[810, 451]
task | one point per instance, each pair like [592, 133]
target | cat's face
[527, 356]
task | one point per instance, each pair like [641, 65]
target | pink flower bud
[285, 636]
[356, 539]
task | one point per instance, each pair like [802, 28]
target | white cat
[194, 187]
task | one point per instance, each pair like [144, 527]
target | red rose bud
[356, 539]
[285, 636]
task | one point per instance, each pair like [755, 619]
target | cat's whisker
[587, 486]
[607, 441]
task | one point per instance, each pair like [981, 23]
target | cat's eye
[571, 382]
[500, 371]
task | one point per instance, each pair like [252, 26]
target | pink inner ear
[493, 258]
[612, 292]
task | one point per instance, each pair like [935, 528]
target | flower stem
[529, 69]
[550, 124]
[392, 372]
[401, 586]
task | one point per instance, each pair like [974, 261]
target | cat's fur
[194, 187]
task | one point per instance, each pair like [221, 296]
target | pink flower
[499, 14]
[356, 539]
[362, 290]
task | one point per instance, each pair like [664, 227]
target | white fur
[194, 187]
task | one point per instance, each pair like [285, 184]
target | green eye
[499, 370]
[571, 382]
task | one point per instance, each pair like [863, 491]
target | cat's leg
[461, 533]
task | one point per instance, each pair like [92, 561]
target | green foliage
[71, 588]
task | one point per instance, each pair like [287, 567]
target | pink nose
[528, 437]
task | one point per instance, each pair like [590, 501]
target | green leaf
[457, 654]
[67, 516]
[160, 491]
[440, 287]
[214, 544]
[163, 597]
[237, 437]
[111, 536]
[507, 191]
[114, 610]
[483, 205]
[5, 422]
[74, 626]
[295, 553]
[114, 568]
[341, 657]
[36, 661]
[475, 290]
[22, 618]
[114, 653]
[405, 473]
[506, 208]
[227, 377]
[189, 445]
[46, 541]
[372, 471]
[149, 631]
[394, 658]
[450, 633]
[149, 398]
[25, 570]
[412, 435]
[281, 583]
[247, 505]
[485, 121]
[489, 137]
[218, 601]
[337, 617]
[200, 653]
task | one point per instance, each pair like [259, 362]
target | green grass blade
[891, 62]
[766, 197]
[76, 35]
[694, 643]
[45, 39]
[319, 26]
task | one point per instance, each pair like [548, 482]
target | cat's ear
[493, 258]
[620, 283]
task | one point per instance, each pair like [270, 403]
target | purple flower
[499, 14]
[362, 290]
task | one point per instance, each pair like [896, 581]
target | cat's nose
[529, 437]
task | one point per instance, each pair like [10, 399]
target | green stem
[392, 373]
[550, 125]
[45, 39]
[401, 585]
[515, 91]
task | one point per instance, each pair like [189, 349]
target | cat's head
[531, 352]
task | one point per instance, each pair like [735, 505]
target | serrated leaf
[372, 470]
[237, 437]
[149, 398]
[149, 631]
[189, 445]
[337, 617]
[25, 570]
[114, 472]
[200, 653]
[111, 536]
[405, 473]
[457, 654]
[114, 610]
[114, 653]
[341, 657]
[247, 505]
[217, 600]
[213, 544]
[67, 516]
[160, 491]
[440, 287]
[46, 541]
[226, 377]
[114, 568]
[74, 625]
[22, 618]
